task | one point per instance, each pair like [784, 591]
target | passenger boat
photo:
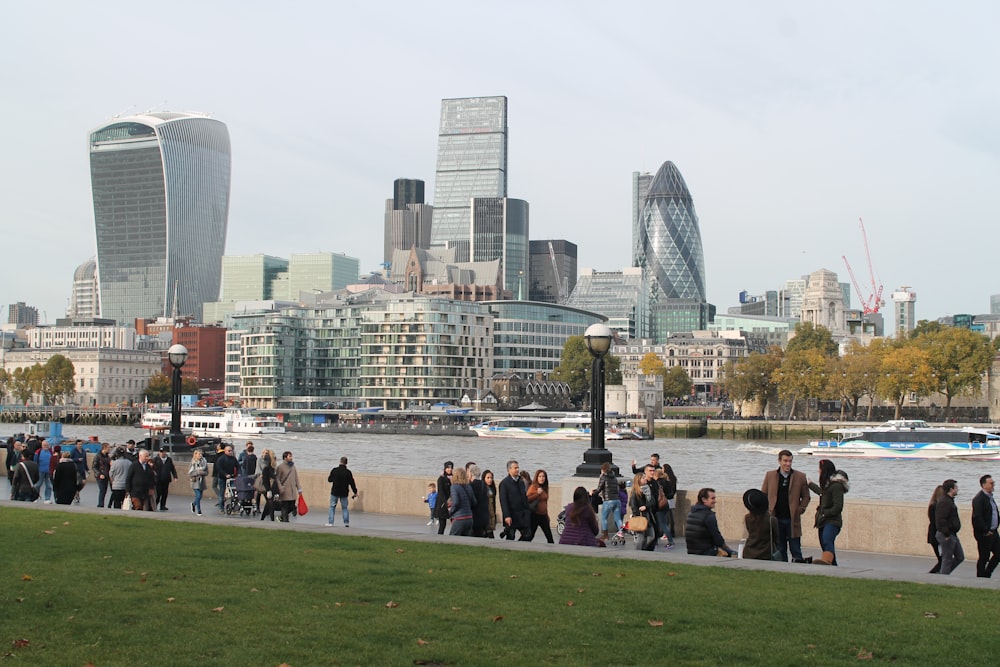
[228, 423]
[567, 427]
[908, 439]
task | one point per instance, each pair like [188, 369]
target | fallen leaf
[430, 571]
[25, 577]
[421, 642]
[456, 608]
[217, 609]
[399, 551]
[19, 599]
[65, 523]
[864, 655]
[810, 646]
[284, 664]
[171, 599]
[595, 574]
[930, 614]
[338, 604]
[107, 557]
[620, 575]
[513, 576]
[569, 603]
[898, 596]
[254, 590]
[70, 618]
[21, 643]
[49, 532]
[497, 618]
[671, 574]
[391, 605]
[579, 590]
[655, 624]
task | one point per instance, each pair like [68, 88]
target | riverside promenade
[853, 564]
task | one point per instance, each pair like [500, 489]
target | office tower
[21, 314]
[552, 267]
[500, 231]
[617, 295]
[320, 272]
[640, 186]
[84, 302]
[407, 220]
[904, 302]
[161, 205]
[668, 250]
[471, 162]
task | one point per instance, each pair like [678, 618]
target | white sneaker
[329, 525]
[431, 522]
[48, 502]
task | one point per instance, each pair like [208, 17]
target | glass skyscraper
[471, 162]
[500, 231]
[161, 206]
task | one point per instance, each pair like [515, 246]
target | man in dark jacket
[444, 495]
[25, 480]
[984, 527]
[702, 528]
[514, 503]
[165, 471]
[948, 524]
[341, 480]
[481, 508]
[140, 483]
[225, 467]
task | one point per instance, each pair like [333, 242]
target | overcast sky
[788, 120]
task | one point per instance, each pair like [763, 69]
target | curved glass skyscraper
[668, 247]
[161, 207]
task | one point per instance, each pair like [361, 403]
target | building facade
[85, 300]
[617, 295]
[161, 207]
[82, 334]
[552, 268]
[500, 232]
[407, 219]
[206, 361]
[20, 314]
[471, 162]
[904, 310]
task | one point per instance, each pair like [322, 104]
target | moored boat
[908, 439]
[228, 423]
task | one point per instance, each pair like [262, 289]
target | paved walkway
[853, 564]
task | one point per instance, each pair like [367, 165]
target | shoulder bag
[638, 523]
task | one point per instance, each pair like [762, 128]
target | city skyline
[788, 123]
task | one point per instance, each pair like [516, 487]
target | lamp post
[177, 354]
[598, 339]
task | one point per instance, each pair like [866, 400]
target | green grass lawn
[115, 590]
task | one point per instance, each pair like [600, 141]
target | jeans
[788, 543]
[197, 500]
[102, 491]
[952, 554]
[45, 482]
[612, 507]
[827, 537]
[461, 527]
[343, 510]
[219, 484]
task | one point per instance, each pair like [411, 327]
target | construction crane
[873, 301]
[560, 285]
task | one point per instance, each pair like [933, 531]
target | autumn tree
[905, 369]
[752, 379]
[809, 337]
[160, 388]
[958, 359]
[4, 382]
[802, 374]
[854, 376]
[22, 384]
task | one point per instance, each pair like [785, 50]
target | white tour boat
[908, 439]
[228, 423]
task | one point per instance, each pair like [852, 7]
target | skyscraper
[669, 251]
[904, 310]
[407, 219]
[161, 206]
[472, 162]
[84, 302]
[500, 231]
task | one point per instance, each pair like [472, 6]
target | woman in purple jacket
[581, 521]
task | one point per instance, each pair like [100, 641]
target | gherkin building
[668, 243]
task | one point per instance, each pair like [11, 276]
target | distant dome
[86, 271]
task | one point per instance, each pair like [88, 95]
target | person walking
[444, 496]
[947, 524]
[64, 480]
[984, 527]
[102, 470]
[269, 496]
[120, 465]
[643, 502]
[538, 502]
[932, 527]
[514, 504]
[226, 467]
[607, 489]
[462, 503]
[833, 484]
[166, 472]
[24, 483]
[491, 504]
[197, 473]
[342, 481]
[480, 508]
[141, 483]
[287, 478]
[79, 457]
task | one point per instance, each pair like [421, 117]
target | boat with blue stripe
[909, 439]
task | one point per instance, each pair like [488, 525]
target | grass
[114, 590]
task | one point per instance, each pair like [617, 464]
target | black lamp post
[177, 354]
[598, 338]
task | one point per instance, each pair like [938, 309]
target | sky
[789, 121]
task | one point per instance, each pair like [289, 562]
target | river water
[726, 465]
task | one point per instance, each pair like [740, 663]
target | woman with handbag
[197, 474]
[270, 493]
[644, 503]
[762, 527]
[833, 484]
[538, 502]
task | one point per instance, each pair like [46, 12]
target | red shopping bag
[302, 509]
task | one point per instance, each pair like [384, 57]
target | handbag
[638, 523]
[302, 509]
[776, 553]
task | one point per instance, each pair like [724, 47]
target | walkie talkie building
[161, 206]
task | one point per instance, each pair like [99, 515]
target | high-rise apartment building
[161, 206]
[471, 162]
[904, 303]
[21, 314]
[668, 249]
[84, 302]
[500, 231]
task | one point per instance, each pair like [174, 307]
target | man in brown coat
[787, 498]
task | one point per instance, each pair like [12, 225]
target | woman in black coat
[64, 480]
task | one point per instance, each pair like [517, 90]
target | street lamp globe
[598, 339]
[177, 354]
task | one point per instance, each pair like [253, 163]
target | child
[431, 500]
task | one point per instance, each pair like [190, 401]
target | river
[726, 465]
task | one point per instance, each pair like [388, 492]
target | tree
[676, 383]
[4, 382]
[802, 374]
[57, 379]
[160, 388]
[905, 370]
[651, 364]
[854, 375]
[808, 337]
[751, 379]
[575, 368]
[958, 359]
[21, 384]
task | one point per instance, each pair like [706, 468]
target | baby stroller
[620, 538]
[244, 495]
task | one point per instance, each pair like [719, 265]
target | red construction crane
[873, 301]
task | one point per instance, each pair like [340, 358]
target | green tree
[958, 359]
[57, 379]
[575, 368]
[21, 385]
[751, 379]
[4, 382]
[904, 370]
[160, 388]
[808, 337]
[854, 376]
[676, 383]
[802, 374]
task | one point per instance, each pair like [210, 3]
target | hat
[163, 449]
[449, 464]
[130, 442]
[755, 501]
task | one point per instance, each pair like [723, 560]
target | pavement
[853, 564]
